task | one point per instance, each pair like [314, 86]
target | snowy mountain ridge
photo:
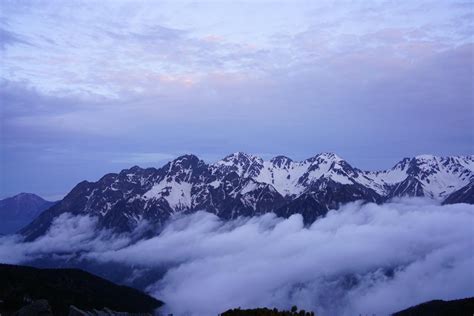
[245, 185]
[438, 176]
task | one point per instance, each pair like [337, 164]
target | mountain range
[19, 210]
[246, 185]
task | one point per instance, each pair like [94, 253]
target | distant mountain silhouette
[19, 210]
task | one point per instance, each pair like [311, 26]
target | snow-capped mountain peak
[244, 185]
[239, 158]
[245, 165]
[328, 156]
[281, 162]
[433, 176]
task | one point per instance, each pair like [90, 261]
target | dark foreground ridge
[462, 307]
[32, 288]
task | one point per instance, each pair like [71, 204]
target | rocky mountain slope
[246, 185]
[463, 195]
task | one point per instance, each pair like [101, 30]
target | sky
[91, 87]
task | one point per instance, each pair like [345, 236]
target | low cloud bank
[360, 259]
[68, 235]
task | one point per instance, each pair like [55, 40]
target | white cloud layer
[361, 259]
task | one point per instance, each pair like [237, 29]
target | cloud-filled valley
[362, 258]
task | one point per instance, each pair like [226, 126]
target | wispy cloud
[10, 38]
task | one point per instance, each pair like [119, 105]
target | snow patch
[177, 194]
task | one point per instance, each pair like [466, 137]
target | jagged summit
[281, 161]
[425, 157]
[240, 157]
[281, 158]
[241, 184]
[186, 158]
[329, 156]
[243, 157]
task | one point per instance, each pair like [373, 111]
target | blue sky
[90, 87]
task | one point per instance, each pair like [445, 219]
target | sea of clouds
[360, 259]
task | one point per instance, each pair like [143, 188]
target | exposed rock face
[463, 195]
